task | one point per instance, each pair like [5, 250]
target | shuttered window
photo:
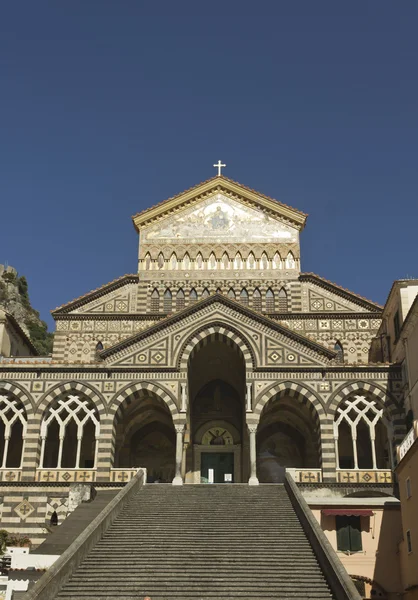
[348, 534]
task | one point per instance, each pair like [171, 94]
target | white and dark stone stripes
[215, 333]
[314, 405]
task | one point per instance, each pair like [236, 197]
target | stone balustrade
[305, 475]
[364, 476]
[10, 474]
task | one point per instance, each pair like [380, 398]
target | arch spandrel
[19, 392]
[144, 388]
[71, 387]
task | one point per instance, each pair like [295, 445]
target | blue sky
[110, 107]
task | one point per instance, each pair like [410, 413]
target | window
[397, 325]
[173, 261]
[155, 301]
[167, 301]
[282, 300]
[408, 488]
[160, 261]
[180, 300]
[270, 300]
[238, 261]
[264, 263]
[243, 297]
[409, 541]
[231, 294]
[205, 293]
[199, 261]
[257, 300]
[348, 534]
[192, 296]
[340, 352]
[148, 261]
[99, 346]
[212, 261]
[186, 261]
[225, 261]
[251, 261]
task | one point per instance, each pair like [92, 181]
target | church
[218, 362]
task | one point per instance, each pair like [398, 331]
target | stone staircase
[227, 542]
[63, 536]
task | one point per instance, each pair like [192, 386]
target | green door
[217, 467]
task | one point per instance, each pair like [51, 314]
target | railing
[66, 475]
[305, 475]
[122, 475]
[409, 439]
[364, 476]
[10, 474]
[340, 583]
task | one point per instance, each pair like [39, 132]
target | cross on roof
[219, 165]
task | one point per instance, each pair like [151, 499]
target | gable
[219, 218]
[118, 297]
[269, 343]
[226, 187]
[320, 295]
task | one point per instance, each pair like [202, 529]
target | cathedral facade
[218, 361]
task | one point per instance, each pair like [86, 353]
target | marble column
[249, 408]
[178, 479]
[183, 397]
[253, 480]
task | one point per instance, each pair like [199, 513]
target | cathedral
[218, 361]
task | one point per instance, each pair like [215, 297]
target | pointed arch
[186, 261]
[270, 301]
[231, 294]
[238, 261]
[180, 301]
[290, 261]
[192, 296]
[212, 263]
[199, 261]
[168, 301]
[205, 293]
[277, 261]
[147, 261]
[160, 261]
[173, 261]
[339, 350]
[264, 261]
[155, 301]
[251, 261]
[225, 261]
[282, 297]
[13, 429]
[257, 304]
[243, 297]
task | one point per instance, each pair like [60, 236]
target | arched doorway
[287, 439]
[217, 452]
[145, 437]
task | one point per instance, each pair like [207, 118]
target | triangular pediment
[118, 296]
[269, 343]
[234, 196]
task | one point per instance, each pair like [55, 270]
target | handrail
[48, 586]
[337, 577]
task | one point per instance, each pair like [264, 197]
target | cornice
[220, 298]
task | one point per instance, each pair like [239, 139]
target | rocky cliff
[14, 299]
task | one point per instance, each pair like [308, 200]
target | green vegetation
[12, 539]
[14, 291]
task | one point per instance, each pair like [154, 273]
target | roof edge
[97, 293]
[147, 214]
[349, 295]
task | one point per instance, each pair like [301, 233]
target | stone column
[249, 398]
[253, 480]
[183, 397]
[178, 479]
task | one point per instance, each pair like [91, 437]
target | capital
[252, 427]
[179, 428]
